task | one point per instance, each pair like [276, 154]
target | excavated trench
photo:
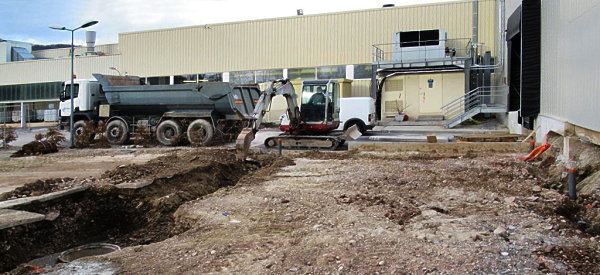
[126, 217]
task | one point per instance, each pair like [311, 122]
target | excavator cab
[320, 105]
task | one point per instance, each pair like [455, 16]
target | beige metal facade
[47, 70]
[292, 42]
[570, 84]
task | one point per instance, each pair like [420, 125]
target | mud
[124, 217]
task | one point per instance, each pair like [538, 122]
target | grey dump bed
[126, 92]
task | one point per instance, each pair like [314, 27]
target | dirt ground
[334, 213]
[80, 164]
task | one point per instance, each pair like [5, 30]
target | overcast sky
[28, 20]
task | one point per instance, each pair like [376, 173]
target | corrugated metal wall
[55, 69]
[570, 68]
[64, 52]
[301, 41]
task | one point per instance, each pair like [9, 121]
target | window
[158, 80]
[363, 71]
[304, 73]
[33, 91]
[188, 78]
[331, 72]
[212, 77]
[419, 38]
[268, 75]
[244, 77]
[66, 94]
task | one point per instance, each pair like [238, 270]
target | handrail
[458, 107]
[453, 46]
[472, 92]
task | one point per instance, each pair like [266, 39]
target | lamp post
[88, 24]
[115, 69]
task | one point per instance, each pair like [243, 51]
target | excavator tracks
[303, 142]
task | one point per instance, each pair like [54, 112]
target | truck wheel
[168, 132]
[200, 132]
[79, 129]
[361, 126]
[117, 132]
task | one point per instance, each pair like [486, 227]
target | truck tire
[361, 125]
[168, 132]
[117, 132]
[200, 132]
[79, 129]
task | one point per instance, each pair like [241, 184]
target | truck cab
[87, 96]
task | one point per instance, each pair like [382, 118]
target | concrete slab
[438, 129]
[11, 218]
[442, 148]
[42, 198]
[406, 138]
[133, 185]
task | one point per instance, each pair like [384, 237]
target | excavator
[311, 125]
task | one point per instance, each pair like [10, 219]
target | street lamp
[88, 24]
[115, 69]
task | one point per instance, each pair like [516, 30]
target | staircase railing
[486, 98]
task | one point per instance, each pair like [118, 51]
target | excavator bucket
[351, 133]
[242, 143]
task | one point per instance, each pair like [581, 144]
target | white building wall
[570, 88]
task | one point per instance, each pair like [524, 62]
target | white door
[430, 93]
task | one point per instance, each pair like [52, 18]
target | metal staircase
[487, 99]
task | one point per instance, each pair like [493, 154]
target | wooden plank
[11, 218]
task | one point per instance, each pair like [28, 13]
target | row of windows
[362, 71]
[51, 90]
[34, 91]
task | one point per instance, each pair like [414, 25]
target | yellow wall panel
[300, 41]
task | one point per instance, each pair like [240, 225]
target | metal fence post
[23, 115]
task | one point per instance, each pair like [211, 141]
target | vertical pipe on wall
[475, 35]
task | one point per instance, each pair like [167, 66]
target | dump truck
[202, 113]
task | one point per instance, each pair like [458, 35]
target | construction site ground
[360, 212]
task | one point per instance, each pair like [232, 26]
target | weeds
[7, 135]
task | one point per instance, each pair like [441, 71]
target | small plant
[7, 135]
[54, 135]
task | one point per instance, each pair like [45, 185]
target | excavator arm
[277, 87]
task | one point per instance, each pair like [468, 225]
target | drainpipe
[475, 36]
[500, 41]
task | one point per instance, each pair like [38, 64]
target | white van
[359, 111]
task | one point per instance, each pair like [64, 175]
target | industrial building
[437, 61]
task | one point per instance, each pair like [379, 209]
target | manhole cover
[87, 250]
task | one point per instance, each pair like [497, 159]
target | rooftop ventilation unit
[420, 45]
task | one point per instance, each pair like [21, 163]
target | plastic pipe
[572, 183]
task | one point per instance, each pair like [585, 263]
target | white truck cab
[87, 94]
[359, 111]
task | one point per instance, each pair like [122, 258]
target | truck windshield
[66, 93]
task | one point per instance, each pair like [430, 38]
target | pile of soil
[35, 148]
[38, 187]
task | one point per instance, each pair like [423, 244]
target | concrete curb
[441, 148]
